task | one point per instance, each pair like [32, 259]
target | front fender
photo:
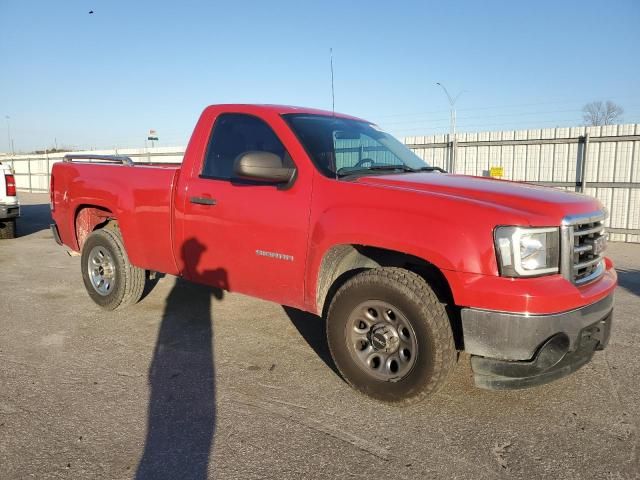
[438, 241]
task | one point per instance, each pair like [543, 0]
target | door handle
[202, 200]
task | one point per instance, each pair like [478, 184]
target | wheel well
[89, 218]
[343, 262]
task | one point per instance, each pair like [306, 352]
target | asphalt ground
[194, 383]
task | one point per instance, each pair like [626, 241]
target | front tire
[389, 336]
[7, 229]
[110, 279]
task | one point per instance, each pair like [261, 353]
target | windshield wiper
[429, 169]
[345, 171]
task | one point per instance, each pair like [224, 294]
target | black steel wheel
[389, 336]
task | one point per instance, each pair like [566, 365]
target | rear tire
[110, 279]
[7, 229]
[389, 336]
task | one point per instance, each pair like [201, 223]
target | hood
[549, 203]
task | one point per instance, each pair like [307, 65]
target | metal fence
[33, 172]
[603, 162]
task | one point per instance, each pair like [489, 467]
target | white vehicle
[9, 206]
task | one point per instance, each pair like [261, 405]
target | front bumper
[511, 350]
[9, 211]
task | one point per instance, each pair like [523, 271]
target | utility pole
[452, 125]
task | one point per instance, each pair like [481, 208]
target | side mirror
[262, 166]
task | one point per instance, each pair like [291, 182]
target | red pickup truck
[327, 213]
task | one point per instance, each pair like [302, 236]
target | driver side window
[234, 134]
[363, 151]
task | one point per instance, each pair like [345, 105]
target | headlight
[526, 252]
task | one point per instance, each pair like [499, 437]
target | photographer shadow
[182, 404]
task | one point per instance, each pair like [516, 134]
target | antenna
[333, 96]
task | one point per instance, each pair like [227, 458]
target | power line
[493, 107]
[518, 114]
[495, 115]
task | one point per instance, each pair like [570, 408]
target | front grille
[584, 244]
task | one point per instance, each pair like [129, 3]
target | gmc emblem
[599, 245]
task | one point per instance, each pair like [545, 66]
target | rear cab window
[234, 134]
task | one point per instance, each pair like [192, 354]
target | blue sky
[105, 79]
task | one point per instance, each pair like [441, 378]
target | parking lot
[191, 382]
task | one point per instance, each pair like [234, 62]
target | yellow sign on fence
[496, 172]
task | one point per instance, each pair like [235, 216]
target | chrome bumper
[9, 211]
[513, 336]
[511, 351]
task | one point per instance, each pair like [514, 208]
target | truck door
[243, 236]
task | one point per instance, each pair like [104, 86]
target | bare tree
[601, 113]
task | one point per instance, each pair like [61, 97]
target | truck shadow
[182, 403]
[33, 218]
[312, 329]
[629, 279]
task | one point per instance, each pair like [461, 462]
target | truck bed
[139, 195]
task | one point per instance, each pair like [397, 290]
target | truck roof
[280, 109]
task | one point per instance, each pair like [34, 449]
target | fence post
[48, 172]
[447, 165]
[582, 161]
[29, 173]
[454, 155]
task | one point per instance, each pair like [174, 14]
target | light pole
[452, 126]
[452, 107]
[9, 141]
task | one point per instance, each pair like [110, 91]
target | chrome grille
[583, 244]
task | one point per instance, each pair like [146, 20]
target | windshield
[341, 147]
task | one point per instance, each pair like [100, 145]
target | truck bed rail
[123, 159]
